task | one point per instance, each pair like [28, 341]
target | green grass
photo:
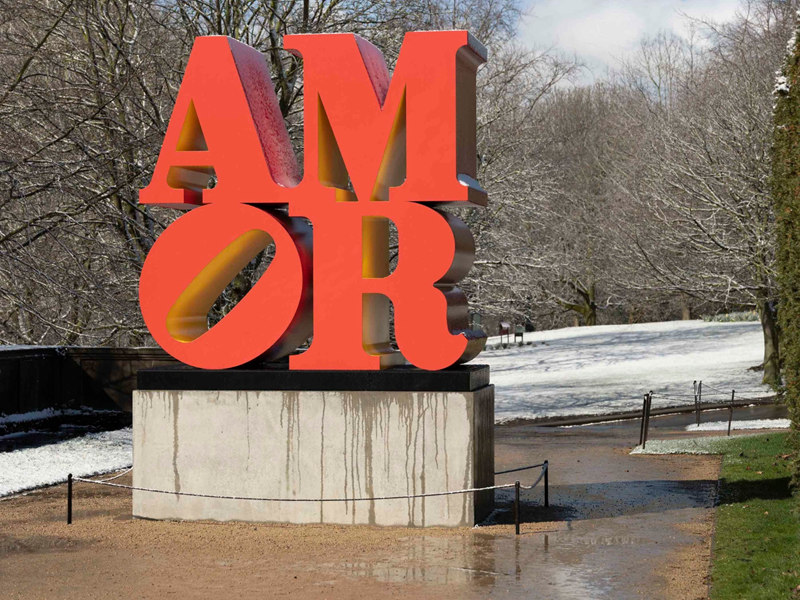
[757, 540]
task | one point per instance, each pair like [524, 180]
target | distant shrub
[744, 315]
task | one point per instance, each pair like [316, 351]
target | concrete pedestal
[314, 443]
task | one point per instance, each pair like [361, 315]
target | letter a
[226, 122]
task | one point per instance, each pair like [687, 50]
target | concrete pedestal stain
[315, 444]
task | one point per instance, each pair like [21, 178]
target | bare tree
[520, 179]
[84, 104]
[699, 174]
[86, 91]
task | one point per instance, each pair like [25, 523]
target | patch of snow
[608, 368]
[38, 415]
[704, 445]
[781, 85]
[91, 454]
[754, 424]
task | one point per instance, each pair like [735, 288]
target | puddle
[583, 561]
[598, 540]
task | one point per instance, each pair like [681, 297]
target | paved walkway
[636, 526]
[619, 527]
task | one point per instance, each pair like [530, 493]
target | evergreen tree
[786, 196]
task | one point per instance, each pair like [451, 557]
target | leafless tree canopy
[642, 196]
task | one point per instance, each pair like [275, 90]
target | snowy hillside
[596, 370]
[93, 453]
[587, 370]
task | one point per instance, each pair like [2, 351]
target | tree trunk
[686, 312]
[586, 306]
[590, 305]
[769, 325]
[590, 314]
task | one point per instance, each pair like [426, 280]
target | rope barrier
[740, 395]
[516, 485]
[670, 397]
[675, 396]
[535, 483]
[714, 392]
[751, 398]
[256, 499]
[756, 393]
[125, 472]
[700, 393]
[711, 387]
[519, 469]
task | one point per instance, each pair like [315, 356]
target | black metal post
[648, 406]
[696, 404]
[69, 499]
[644, 414]
[699, 399]
[516, 506]
[730, 412]
[546, 484]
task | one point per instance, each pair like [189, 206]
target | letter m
[414, 132]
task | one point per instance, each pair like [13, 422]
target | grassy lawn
[757, 544]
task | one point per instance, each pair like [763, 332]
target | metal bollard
[699, 399]
[644, 414]
[730, 412]
[516, 506]
[546, 484]
[648, 403]
[69, 499]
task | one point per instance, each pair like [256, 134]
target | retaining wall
[38, 377]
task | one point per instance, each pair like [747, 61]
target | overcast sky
[601, 31]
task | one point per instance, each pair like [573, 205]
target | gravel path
[620, 526]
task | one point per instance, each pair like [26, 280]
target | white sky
[601, 31]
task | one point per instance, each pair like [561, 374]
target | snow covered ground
[697, 445]
[753, 424]
[587, 370]
[91, 454]
[608, 368]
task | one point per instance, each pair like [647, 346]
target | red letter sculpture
[379, 150]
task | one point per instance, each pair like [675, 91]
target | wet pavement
[618, 527]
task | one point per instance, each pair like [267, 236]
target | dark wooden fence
[38, 377]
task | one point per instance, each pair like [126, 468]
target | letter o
[193, 261]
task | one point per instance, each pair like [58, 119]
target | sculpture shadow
[606, 500]
[743, 490]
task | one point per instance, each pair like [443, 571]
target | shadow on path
[743, 490]
[606, 500]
